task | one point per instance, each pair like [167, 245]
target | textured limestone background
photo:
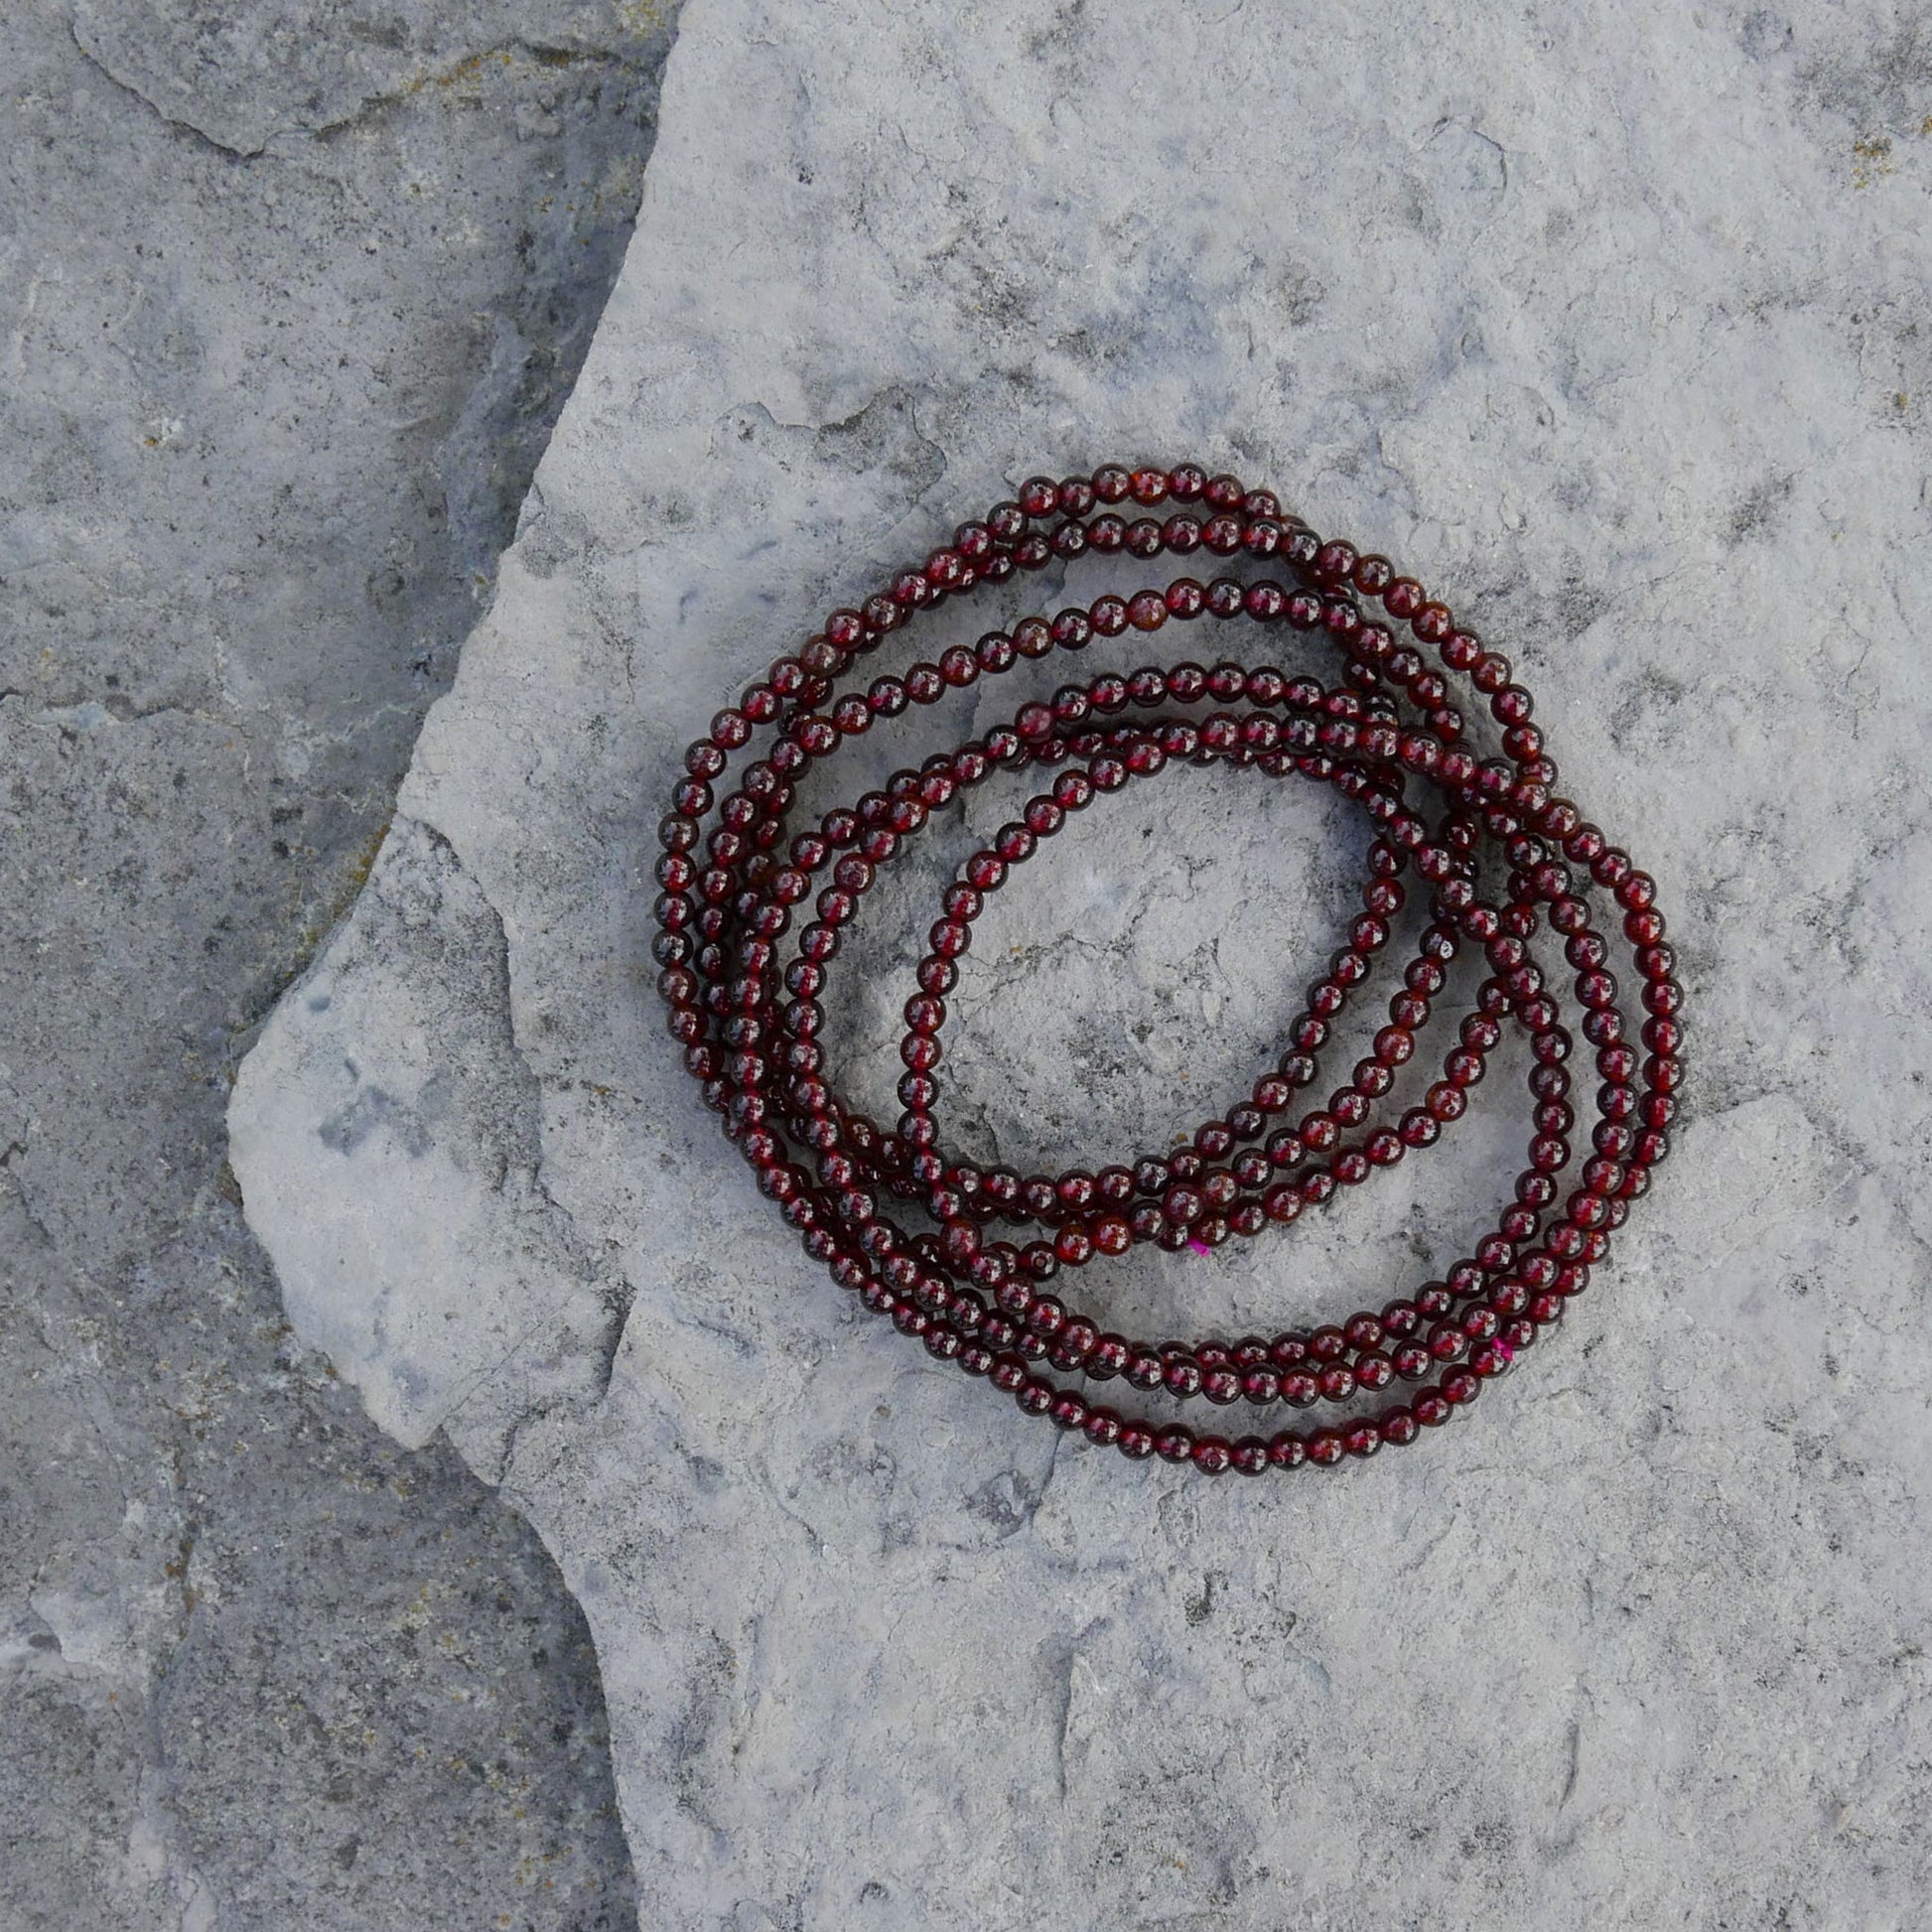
[290, 295]
[1610, 322]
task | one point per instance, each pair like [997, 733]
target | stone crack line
[574, 1254]
[530, 53]
[197, 134]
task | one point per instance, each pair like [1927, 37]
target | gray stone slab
[289, 299]
[1610, 326]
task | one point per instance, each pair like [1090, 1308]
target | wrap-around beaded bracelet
[747, 1008]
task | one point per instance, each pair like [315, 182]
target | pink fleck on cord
[1197, 1244]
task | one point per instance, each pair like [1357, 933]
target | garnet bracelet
[1498, 855]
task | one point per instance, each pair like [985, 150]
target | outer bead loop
[1488, 859]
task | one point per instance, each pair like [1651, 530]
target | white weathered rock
[1603, 325]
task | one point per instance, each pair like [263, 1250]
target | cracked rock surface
[289, 295]
[1613, 327]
